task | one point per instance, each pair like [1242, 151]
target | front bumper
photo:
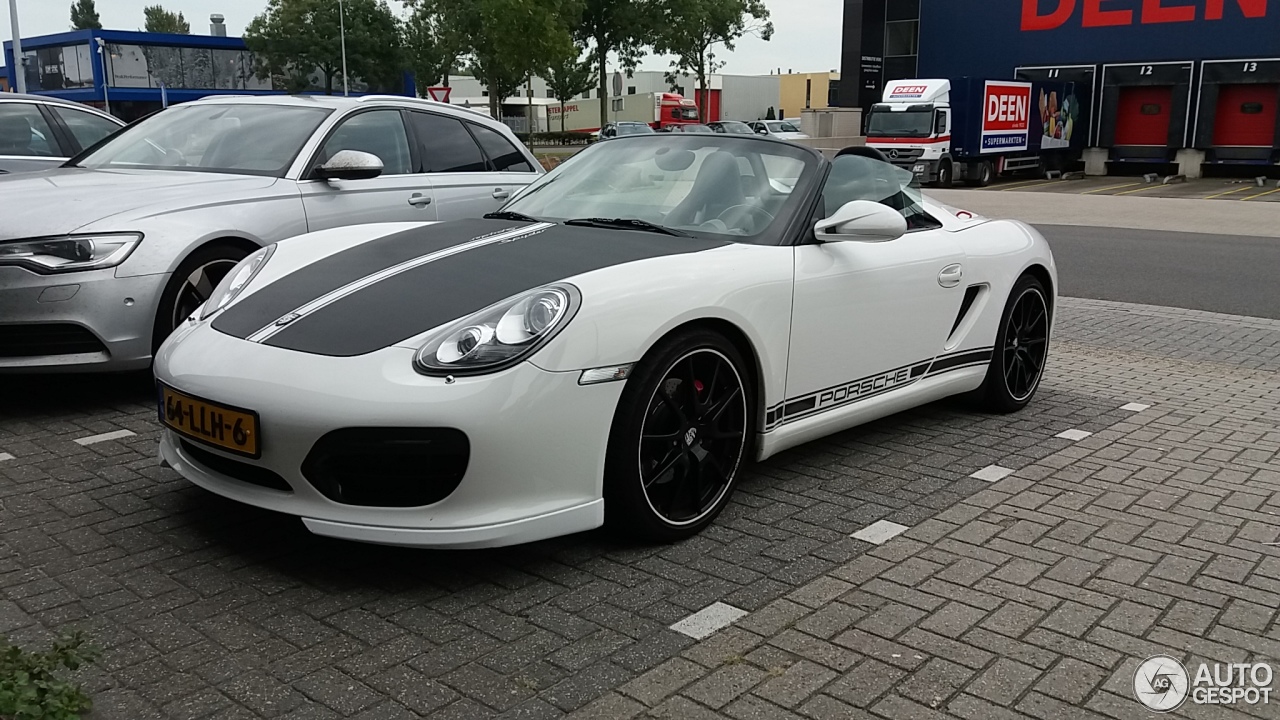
[117, 313]
[537, 438]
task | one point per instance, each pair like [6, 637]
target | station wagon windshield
[222, 138]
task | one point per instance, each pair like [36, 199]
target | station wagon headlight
[236, 281]
[70, 253]
[501, 335]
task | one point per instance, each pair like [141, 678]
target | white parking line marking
[1074, 435]
[992, 473]
[1134, 407]
[5, 456]
[880, 532]
[708, 620]
[105, 437]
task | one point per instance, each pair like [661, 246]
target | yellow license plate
[226, 428]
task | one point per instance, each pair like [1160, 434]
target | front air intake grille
[235, 469]
[47, 339]
[388, 467]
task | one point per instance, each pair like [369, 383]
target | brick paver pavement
[1030, 596]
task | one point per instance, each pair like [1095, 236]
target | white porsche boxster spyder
[609, 349]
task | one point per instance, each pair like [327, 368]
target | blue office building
[138, 72]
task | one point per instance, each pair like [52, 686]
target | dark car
[38, 133]
[689, 128]
[731, 127]
[619, 129]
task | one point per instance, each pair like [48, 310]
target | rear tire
[985, 175]
[1021, 349]
[680, 436]
[191, 284]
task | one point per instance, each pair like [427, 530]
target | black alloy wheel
[1022, 348]
[680, 438]
[197, 286]
[192, 283]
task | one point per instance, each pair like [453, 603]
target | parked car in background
[780, 129]
[38, 132]
[730, 127]
[102, 258]
[688, 128]
[620, 129]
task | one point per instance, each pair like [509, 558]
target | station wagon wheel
[197, 286]
[191, 284]
[680, 437]
[1021, 348]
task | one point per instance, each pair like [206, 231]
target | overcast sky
[806, 36]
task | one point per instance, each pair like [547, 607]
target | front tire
[1022, 347]
[680, 437]
[945, 174]
[192, 284]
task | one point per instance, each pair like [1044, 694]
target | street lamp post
[106, 79]
[342, 33]
[21, 80]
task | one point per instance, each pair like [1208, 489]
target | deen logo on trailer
[1006, 117]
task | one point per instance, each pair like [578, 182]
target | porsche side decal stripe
[314, 279]
[871, 386]
[437, 293]
[350, 288]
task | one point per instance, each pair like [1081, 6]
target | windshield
[781, 127]
[695, 128]
[704, 185]
[908, 123]
[241, 139]
[634, 130]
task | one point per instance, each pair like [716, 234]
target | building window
[631, 89]
[551, 94]
[679, 90]
[808, 93]
[900, 38]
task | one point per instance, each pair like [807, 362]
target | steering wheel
[734, 216]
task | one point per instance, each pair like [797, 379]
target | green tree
[84, 16]
[623, 27]
[568, 75]
[159, 20]
[432, 47]
[294, 39]
[693, 29]
[506, 41]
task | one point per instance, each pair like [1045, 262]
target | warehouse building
[1191, 84]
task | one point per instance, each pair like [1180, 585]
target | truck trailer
[973, 130]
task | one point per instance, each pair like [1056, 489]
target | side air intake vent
[970, 295]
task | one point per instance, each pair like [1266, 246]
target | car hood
[64, 200]
[395, 286]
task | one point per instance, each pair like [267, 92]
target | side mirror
[762, 131]
[350, 165]
[864, 221]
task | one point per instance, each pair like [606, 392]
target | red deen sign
[1053, 14]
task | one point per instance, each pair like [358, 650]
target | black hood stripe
[457, 284]
[341, 268]
[385, 274]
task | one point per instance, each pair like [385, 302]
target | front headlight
[69, 253]
[236, 281]
[501, 335]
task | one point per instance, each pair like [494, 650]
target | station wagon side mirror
[762, 131]
[862, 221]
[350, 165]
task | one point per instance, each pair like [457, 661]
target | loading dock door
[1143, 115]
[1246, 116]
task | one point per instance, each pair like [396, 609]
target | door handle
[501, 194]
[951, 276]
[419, 200]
